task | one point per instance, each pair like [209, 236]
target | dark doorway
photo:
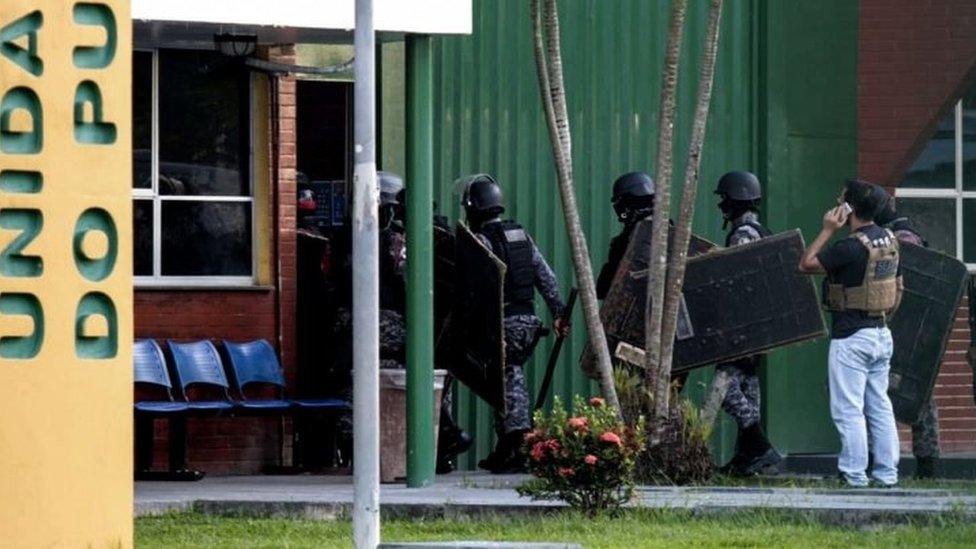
[324, 130]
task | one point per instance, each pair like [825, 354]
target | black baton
[540, 400]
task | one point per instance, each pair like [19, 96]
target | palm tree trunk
[656, 377]
[682, 235]
[553, 92]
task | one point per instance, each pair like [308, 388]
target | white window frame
[157, 279]
[957, 193]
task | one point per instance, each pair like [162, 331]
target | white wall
[419, 16]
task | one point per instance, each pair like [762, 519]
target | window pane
[969, 230]
[203, 128]
[934, 219]
[206, 238]
[935, 166]
[141, 120]
[142, 219]
[969, 140]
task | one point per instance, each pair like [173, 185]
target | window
[938, 192]
[191, 186]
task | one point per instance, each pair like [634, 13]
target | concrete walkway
[475, 494]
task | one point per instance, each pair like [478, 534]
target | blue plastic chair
[198, 363]
[256, 362]
[149, 367]
[250, 365]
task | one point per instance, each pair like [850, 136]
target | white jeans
[858, 371]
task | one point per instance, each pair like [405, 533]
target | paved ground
[327, 497]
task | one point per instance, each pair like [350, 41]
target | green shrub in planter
[586, 460]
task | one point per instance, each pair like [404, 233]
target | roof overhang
[291, 21]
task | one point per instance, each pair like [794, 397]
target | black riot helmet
[391, 199]
[740, 192]
[481, 197]
[886, 213]
[633, 196]
[739, 186]
[391, 186]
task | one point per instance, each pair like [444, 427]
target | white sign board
[415, 16]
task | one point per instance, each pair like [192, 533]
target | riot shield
[934, 285]
[737, 302]
[477, 328]
[622, 312]
[445, 277]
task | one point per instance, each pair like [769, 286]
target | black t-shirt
[845, 262]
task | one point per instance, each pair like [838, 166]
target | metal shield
[934, 285]
[747, 300]
[622, 312]
[737, 302]
[477, 327]
[445, 277]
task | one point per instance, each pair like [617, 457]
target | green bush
[586, 460]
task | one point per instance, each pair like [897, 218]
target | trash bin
[393, 420]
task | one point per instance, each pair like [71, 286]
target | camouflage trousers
[520, 339]
[925, 432]
[742, 400]
[393, 337]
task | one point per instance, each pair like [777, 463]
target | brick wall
[240, 445]
[915, 59]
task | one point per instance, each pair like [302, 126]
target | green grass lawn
[636, 528]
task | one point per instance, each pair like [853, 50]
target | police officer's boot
[451, 441]
[507, 456]
[925, 467]
[739, 458]
[763, 458]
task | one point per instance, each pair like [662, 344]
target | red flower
[610, 438]
[566, 471]
[532, 436]
[553, 445]
[597, 402]
[538, 451]
[578, 423]
[590, 459]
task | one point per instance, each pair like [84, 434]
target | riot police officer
[862, 288]
[526, 272]
[633, 200]
[925, 431]
[741, 194]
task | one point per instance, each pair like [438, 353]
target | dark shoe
[925, 467]
[446, 465]
[734, 467]
[450, 443]
[507, 452]
[766, 464]
[875, 483]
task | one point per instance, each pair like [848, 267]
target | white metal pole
[365, 290]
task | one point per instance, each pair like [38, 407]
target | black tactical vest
[511, 244]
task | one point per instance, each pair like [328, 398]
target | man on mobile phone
[862, 289]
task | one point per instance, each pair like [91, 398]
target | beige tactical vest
[878, 292]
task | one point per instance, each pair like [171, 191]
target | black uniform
[526, 272]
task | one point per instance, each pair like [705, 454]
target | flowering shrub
[586, 460]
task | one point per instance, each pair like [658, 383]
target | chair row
[199, 366]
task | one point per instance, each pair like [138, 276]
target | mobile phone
[847, 208]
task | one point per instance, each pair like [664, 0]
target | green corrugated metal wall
[488, 119]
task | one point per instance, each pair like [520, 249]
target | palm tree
[682, 234]
[657, 377]
[549, 68]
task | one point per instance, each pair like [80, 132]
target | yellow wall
[65, 394]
